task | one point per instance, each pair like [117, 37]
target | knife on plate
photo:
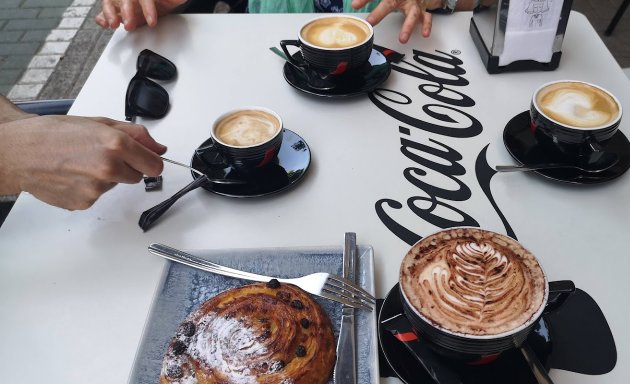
[345, 369]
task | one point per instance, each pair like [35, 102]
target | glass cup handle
[283, 45]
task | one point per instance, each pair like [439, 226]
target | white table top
[76, 287]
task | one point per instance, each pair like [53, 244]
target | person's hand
[134, 13]
[70, 161]
[415, 12]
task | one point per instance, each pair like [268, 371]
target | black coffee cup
[467, 346]
[333, 44]
[246, 139]
[573, 119]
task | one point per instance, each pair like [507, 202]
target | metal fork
[322, 284]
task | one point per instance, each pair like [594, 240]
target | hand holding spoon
[216, 181]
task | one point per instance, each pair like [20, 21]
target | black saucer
[287, 170]
[509, 367]
[523, 146]
[352, 83]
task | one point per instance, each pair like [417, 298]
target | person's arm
[469, 5]
[70, 161]
[134, 13]
[10, 112]
[415, 12]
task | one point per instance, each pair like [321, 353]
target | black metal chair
[617, 17]
[46, 107]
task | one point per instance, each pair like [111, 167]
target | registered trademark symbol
[456, 51]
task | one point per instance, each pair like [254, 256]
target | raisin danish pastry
[259, 333]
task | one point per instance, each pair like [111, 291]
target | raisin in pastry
[258, 333]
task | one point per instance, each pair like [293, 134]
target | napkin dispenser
[520, 35]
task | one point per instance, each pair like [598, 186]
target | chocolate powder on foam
[473, 281]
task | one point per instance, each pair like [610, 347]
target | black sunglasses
[145, 97]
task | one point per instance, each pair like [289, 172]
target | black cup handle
[597, 151]
[593, 144]
[211, 156]
[559, 291]
[283, 44]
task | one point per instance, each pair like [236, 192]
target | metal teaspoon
[216, 181]
[605, 162]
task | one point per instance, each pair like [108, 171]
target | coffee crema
[335, 32]
[247, 128]
[473, 282]
[577, 104]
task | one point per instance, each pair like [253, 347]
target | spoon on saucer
[603, 162]
[216, 181]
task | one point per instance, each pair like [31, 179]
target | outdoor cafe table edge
[76, 287]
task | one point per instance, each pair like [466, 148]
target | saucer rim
[289, 185]
[381, 332]
[589, 178]
[311, 91]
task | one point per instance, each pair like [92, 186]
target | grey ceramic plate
[182, 289]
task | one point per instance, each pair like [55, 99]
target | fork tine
[344, 300]
[348, 295]
[349, 288]
[331, 289]
[354, 302]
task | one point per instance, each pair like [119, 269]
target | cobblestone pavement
[34, 38]
[82, 54]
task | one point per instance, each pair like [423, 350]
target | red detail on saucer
[406, 336]
[387, 52]
[269, 154]
[341, 68]
[484, 360]
[532, 127]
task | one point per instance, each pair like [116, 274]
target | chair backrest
[46, 107]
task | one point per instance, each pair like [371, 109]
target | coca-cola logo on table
[440, 78]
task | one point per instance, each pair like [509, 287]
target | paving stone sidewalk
[35, 37]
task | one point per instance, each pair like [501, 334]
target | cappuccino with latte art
[574, 119]
[332, 44]
[247, 139]
[247, 127]
[473, 282]
[577, 104]
[335, 32]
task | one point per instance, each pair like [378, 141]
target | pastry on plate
[259, 333]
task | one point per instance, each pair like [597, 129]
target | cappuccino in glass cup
[471, 292]
[333, 43]
[574, 117]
